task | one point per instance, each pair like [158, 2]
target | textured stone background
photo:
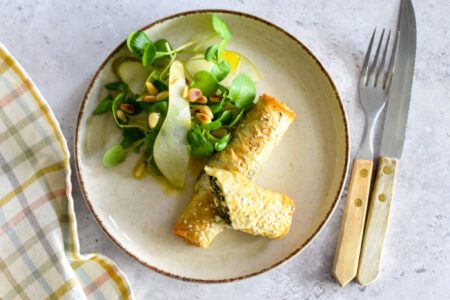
[61, 44]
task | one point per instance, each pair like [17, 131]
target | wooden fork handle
[377, 221]
[348, 247]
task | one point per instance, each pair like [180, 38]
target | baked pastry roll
[249, 208]
[253, 141]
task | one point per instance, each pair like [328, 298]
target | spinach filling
[219, 199]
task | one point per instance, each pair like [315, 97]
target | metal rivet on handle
[387, 170]
[363, 173]
[382, 197]
[358, 202]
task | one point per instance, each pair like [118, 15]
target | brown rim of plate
[291, 255]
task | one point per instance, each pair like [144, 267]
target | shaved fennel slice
[198, 63]
[133, 73]
[171, 149]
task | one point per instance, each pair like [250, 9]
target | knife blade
[391, 149]
[394, 130]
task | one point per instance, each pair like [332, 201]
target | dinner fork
[373, 87]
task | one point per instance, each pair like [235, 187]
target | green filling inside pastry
[219, 199]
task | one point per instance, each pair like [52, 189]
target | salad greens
[114, 156]
[146, 107]
[242, 91]
[206, 82]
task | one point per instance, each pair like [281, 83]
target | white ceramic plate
[309, 164]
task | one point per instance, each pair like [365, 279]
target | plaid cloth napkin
[39, 250]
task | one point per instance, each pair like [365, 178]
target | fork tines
[376, 73]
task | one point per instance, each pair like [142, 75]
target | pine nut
[204, 109]
[127, 107]
[194, 94]
[151, 89]
[149, 98]
[162, 96]
[215, 98]
[153, 120]
[202, 100]
[139, 170]
[121, 115]
[203, 118]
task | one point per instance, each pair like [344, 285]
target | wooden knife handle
[348, 247]
[377, 221]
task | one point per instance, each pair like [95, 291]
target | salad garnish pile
[171, 103]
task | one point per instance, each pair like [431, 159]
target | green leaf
[116, 102]
[155, 78]
[236, 120]
[161, 85]
[137, 147]
[163, 45]
[211, 53]
[145, 106]
[219, 144]
[242, 91]
[137, 41]
[213, 125]
[202, 151]
[206, 82]
[223, 90]
[223, 31]
[149, 140]
[114, 156]
[226, 117]
[195, 137]
[200, 146]
[223, 44]
[149, 54]
[221, 70]
[152, 168]
[155, 74]
[222, 143]
[160, 107]
[104, 106]
[216, 107]
[131, 136]
[117, 86]
[212, 139]
[221, 27]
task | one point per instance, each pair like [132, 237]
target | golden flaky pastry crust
[250, 208]
[253, 141]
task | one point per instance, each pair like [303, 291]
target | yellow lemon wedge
[233, 58]
[240, 64]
